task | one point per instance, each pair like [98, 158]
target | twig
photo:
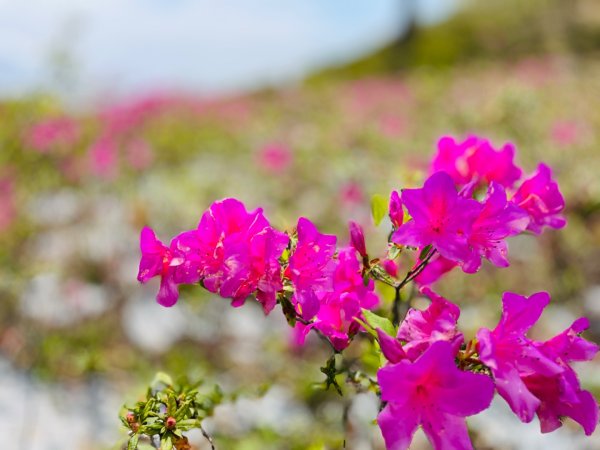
[396, 306]
[411, 275]
[208, 438]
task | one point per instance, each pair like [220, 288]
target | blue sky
[208, 46]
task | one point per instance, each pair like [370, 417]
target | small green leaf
[379, 273]
[163, 378]
[424, 252]
[366, 326]
[376, 321]
[379, 208]
[167, 444]
[330, 371]
[394, 251]
[288, 310]
[171, 404]
[188, 423]
[182, 411]
[133, 442]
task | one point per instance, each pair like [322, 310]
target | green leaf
[182, 411]
[167, 444]
[163, 378]
[133, 442]
[188, 424]
[288, 310]
[366, 326]
[379, 273]
[424, 252]
[376, 321]
[171, 405]
[394, 251]
[379, 208]
[330, 371]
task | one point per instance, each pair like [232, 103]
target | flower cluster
[448, 214]
[233, 252]
[237, 254]
[535, 377]
[473, 200]
[422, 385]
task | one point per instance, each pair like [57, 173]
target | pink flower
[234, 253]
[498, 220]
[395, 210]
[351, 194]
[264, 275]
[540, 197]
[357, 238]
[103, 156]
[335, 318]
[420, 329]
[565, 133]
[8, 207]
[159, 260]
[311, 266]
[438, 266]
[391, 267]
[297, 337]
[275, 157]
[475, 159]
[139, 154]
[561, 395]
[52, 133]
[390, 347]
[440, 217]
[434, 393]
[511, 356]
[392, 126]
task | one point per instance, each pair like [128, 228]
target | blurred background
[115, 115]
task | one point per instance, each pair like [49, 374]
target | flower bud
[357, 238]
[170, 423]
[396, 213]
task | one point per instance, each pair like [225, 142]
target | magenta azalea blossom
[511, 355]
[390, 266]
[335, 318]
[540, 197]
[498, 220]
[396, 212]
[390, 347]
[440, 216]
[53, 133]
[357, 238]
[561, 395]
[434, 393]
[475, 159]
[275, 157]
[234, 253]
[437, 323]
[159, 260]
[8, 201]
[311, 267]
[437, 268]
[103, 157]
[265, 271]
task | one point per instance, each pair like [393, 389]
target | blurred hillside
[506, 30]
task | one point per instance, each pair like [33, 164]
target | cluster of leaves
[169, 410]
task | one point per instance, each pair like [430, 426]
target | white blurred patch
[149, 325]
[51, 300]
